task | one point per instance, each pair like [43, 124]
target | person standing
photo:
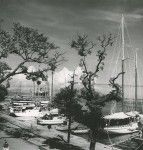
[5, 146]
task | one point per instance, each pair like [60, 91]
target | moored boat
[80, 131]
[50, 119]
[25, 112]
[124, 122]
[120, 123]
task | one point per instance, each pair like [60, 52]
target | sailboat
[121, 122]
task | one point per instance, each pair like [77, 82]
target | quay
[46, 133]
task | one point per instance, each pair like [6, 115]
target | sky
[62, 20]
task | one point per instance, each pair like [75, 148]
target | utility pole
[72, 83]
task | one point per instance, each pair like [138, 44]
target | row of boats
[117, 123]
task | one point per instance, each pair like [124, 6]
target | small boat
[80, 131]
[54, 111]
[44, 103]
[65, 127]
[26, 112]
[120, 123]
[50, 119]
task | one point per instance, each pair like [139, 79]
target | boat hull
[82, 131]
[28, 113]
[127, 129]
[50, 122]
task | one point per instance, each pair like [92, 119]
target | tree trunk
[69, 129]
[92, 145]
[93, 135]
[52, 86]
[37, 91]
[33, 88]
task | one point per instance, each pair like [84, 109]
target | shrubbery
[3, 92]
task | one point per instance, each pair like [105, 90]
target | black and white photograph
[71, 74]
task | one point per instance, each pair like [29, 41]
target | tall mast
[136, 78]
[123, 59]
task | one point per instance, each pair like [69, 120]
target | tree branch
[11, 73]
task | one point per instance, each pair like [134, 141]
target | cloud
[61, 78]
[31, 69]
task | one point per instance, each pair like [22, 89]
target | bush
[1, 107]
[3, 92]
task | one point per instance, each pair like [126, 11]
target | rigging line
[141, 70]
[139, 77]
[111, 143]
[122, 141]
[129, 78]
[114, 52]
[128, 64]
[118, 53]
[132, 54]
[130, 41]
[139, 146]
[128, 85]
[132, 50]
[116, 64]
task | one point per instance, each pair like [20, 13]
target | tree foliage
[63, 100]
[30, 46]
[116, 93]
[3, 92]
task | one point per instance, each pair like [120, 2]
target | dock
[46, 133]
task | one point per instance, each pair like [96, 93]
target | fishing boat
[123, 122]
[49, 119]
